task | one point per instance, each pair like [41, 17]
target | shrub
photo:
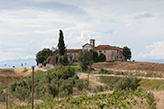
[86, 84]
[63, 72]
[72, 80]
[99, 88]
[126, 84]
[25, 70]
[106, 87]
[102, 71]
[64, 93]
[94, 90]
[63, 60]
[79, 84]
[2, 95]
[21, 93]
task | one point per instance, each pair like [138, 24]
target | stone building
[112, 53]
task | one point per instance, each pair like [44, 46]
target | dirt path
[92, 78]
[98, 75]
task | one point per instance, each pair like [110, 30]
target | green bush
[63, 60]
[79, 84]
[86, 84]
[63, 72]
[99, 88]
[21, 93]
[102, 71]
[126, 84]
[2, 95]
[72, 80]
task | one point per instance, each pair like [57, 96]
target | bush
[102, 71]
[126, 84]
[79, 84]
[25, 70]
[2, 95]
[101, 57]
[63, 60]
[21, 93]
[86, 84]
[72, 80]
[94, 90]
[99, 88]
[63, 72]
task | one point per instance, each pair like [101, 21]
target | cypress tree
[61, 45]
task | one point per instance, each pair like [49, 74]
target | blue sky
[28, 26]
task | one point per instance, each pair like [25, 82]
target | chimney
[92, 42]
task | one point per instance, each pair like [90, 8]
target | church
[112, 53]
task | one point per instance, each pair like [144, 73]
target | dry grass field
[10, 75]
[144, 66]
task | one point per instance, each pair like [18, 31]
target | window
[104, 51]
[100, 51]
[120, 57]
[74, 54]
[117, 57]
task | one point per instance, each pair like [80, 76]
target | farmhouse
[112, 53]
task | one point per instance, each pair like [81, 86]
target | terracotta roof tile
[106, 47]
[74, 50]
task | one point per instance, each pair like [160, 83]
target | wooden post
[32, 103]
[48, 82]
[58, 89]
[88, 79]
[7, 99]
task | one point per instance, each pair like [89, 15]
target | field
[117, 99]
[154, 87]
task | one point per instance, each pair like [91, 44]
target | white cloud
[154, 51]
[30, 25]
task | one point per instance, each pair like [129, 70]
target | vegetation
[85, 59]
[102, 71]
[41, 56]
[143, 83]
[62, 79]
[118, 99]
[127, 53]
[126, 84]
[95, 55]
[2, 95]
[98, 58]
[102, 57]
[61, 45]
[63, 60]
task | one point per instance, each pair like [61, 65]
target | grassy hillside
[144, 83]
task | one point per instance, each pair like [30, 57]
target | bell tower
[92, 42]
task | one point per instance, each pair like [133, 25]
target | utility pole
[32, 103]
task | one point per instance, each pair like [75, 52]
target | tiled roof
[74, 50]
[106, 47]
[86, 44]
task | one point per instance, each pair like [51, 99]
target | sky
[28, 26]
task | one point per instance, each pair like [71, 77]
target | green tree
[61, 45]
[42, 55]
[63, 60]
[95, 55]
[102, 57]
[85, 59]
[127, 53]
